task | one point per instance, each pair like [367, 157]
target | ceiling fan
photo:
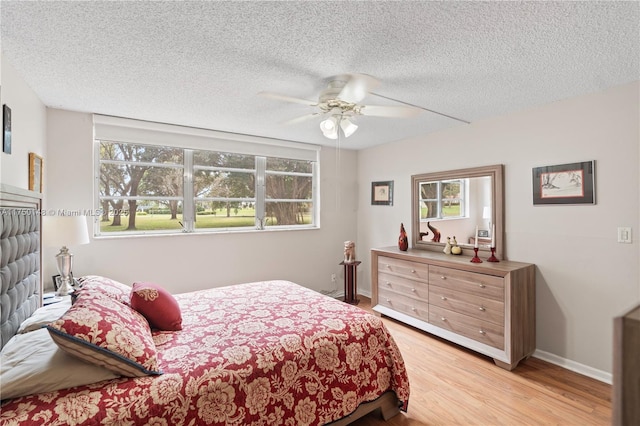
[340, 102]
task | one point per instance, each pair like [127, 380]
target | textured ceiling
[202, 64]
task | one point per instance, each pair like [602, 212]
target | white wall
[28, 128]
[188, 262]
[584, 277]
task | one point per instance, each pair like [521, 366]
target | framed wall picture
[35, 172]
[6, 127]
[382, 193]
[572, 183]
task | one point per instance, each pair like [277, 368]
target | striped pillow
[101, 330]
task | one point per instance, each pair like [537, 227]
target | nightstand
[50, 298]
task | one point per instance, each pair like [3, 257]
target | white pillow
[43, 316]
[32, 363]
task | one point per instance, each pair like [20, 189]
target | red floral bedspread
[266, 353]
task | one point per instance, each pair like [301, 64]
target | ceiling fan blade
[302, 118]
[357, 87]
[286, 98]
[389, 111]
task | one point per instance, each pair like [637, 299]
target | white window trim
[464, 211]
[125, 130]
[150, 133]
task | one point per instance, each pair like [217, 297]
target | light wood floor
[454, 386]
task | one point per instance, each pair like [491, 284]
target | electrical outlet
[333, 278]
[624, 235]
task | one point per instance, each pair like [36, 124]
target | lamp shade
[348, 127]
[61, 231]
[329, 127]
[486, 212]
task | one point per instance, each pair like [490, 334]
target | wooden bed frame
[387, 404]
[12, 198]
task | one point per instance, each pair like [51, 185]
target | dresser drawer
[473, 328]
[404, 286]
[482, 285]
[403, 268]
[406, 304]
[469, 304]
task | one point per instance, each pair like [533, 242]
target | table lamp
[486, 214]
[64, 231]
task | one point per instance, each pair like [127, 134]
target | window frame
[143, 133]
[463, 199]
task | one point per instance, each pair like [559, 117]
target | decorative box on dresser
[487, 307]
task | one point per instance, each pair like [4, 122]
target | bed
[262, 353]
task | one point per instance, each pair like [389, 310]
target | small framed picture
[6, 129]
[483, 233]
[382, 193]
[57, 281]
[572, 183]
[35, 172]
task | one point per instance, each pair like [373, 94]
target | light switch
[624, 235]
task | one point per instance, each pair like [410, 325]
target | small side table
[351, 282]
[51, 298]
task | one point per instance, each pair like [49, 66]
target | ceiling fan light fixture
[329, 127]
[348, 127]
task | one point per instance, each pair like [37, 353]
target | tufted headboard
[20, 258]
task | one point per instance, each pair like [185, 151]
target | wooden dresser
[487, 307]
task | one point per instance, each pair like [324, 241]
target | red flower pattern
[253, 354]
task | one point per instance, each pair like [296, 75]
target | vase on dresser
[403, 241]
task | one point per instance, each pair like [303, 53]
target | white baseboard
[585, 370]
[365, 293]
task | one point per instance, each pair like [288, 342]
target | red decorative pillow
[157, 305]
[112, 288]
[101, 330]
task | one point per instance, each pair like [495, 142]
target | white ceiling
[202, 64]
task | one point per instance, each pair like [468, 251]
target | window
[445, 199]
[146, 188]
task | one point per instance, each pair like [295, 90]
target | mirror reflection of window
[455, 203]
[444, 199]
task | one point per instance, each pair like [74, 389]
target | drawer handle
[388, 266]
[413, 290]
[482, 308]
[482, 286]
[443, 277]
[443, 318]
[413, 309]
[443, 298]
[388, 283]
[413, 271]
[483, 332]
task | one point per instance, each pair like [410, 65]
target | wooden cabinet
[487, 307]
[626, 368]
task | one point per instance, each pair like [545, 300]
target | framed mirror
[453, 203]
